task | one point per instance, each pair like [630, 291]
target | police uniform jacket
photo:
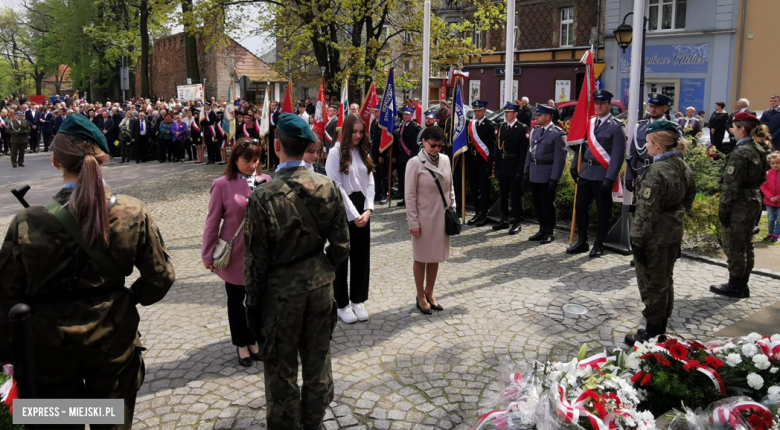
[611, 134]
[511, 149]
[375, 137]
[486, 131]
[407, 133]
[546, 154]
[639, 159]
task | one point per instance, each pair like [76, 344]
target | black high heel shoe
[245, 361]
[255, 355]
[424, 311]
[435, 307]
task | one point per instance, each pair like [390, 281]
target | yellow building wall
[760, 56]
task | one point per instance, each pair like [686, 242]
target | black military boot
[598, 248]
[516, 228]
[644, 334]
[481, 221]
[548, 234]
[580, 246]
[733, 288]
[539, 234]
[503, 224]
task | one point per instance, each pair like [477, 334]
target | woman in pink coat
[227, 207]
[425, 212]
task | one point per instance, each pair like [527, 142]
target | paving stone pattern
[402, 370]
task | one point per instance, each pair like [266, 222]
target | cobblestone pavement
[401, 370]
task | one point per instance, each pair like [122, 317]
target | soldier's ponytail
[88, 202]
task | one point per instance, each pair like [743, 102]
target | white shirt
[359, 179]
[305, 117]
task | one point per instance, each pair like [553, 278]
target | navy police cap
[512, 107]
[551, 110]
[659, 99]
[479, 104]
[431, 114]
[377, 107]
[407, 109]
[602, 96]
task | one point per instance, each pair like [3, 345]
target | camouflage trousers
[293, 326]
[656, 283]
[97, 378]
[738, 242]
[127, 150]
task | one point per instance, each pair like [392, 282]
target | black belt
[542, 162]
[592, 163]
[506, 156]
[74, 294]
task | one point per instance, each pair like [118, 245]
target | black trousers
[164, 149]
[6, 142]
[587, 191]
[34, 140]
[212, 147]
[511, 185]
[139, 149]
[272, 149]
[359, 261]
[188, 149]
[544, 201]
[457, 173]
[479, 181]
[380, 179]
[46, 140]
[240, 333]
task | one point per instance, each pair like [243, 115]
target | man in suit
[106, 126]
[525, 116]
[743, 105]
[331, 135]
[690, 125]
[771, 118]
[380, 160]
[116, 116]
[58, 120]
[480, 155]
[601, 163]
[33, 117]
[209, 127]
[543, 169]
[273, 118]
[141, 129]
[47, 124]
[511, 151]
[405, 148]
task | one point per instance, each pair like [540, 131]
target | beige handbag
[221, 254]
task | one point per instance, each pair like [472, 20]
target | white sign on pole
[562, 91]
[503, 92]
[189, 92]
[474, 90]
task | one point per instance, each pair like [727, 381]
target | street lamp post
[624, 35]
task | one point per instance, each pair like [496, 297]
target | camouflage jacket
[664, 193]
[282, 252]
[42, 265]
[744, 173]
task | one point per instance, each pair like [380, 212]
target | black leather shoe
[424, 311]
[255, 355]
[516, 228]
[538, 236]
[245, 361]
[549, 238]
[598, 249]
[579, 247]
[436, 307]
[632, 263]
[472, 220]
[481, 221]
[503, 224]
[733, 288]
[401, 204]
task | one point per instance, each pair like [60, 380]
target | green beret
[662, 125]
[295, 127]
[79, 125]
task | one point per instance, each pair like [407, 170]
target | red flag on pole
[586, 108]
[368, 105]
[321, 114]
[344, 108]
[287, 105]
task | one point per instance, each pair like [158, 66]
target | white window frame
[477, 38]
[567, 23]
[658, 10]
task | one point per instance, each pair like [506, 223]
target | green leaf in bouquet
[583, 352]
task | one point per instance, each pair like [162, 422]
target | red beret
[745, 116]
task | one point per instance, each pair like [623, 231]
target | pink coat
[771, 188]
[425, 209]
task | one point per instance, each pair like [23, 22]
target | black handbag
[451, 221]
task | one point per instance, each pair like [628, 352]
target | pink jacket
[771, 188]
[227, 206]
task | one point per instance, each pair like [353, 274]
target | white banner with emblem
[189, 92]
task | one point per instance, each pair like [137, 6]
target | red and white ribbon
[602, 156]
[479, 145]
[195, 126]
[213, 132]
[725, 414]
[770, 349]
[246, 134]
[596, 361]
[570, 413]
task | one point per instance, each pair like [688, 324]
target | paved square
[401, 370]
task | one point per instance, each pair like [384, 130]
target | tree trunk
[144, 28]
[38, 77]
[190, 46]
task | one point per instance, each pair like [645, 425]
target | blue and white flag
[459, 122]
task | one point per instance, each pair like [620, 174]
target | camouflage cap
[79, 125]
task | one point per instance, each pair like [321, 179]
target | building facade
[756, 62]
[689, 52]
[551, 38]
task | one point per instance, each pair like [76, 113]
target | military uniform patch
[730, 170]
[646, 192]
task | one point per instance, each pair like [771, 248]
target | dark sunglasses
[435, 146]
[254, 142]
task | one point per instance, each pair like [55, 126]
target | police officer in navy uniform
[481, 153]
[210, 137]
[638, 160]
[543, 169]
[595, 181]
[429, 119]
[405, 147]
[511, 150]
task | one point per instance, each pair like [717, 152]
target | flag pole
[462, 167]
[390, 177]
[576, 187]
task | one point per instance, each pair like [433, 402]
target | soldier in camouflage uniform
[289, 279]
[740, 205]
[664, 193]
[85, 322]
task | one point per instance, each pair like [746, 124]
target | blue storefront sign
[686, 58]
[624, 84]
[691, 94]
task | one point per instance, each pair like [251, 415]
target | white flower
[733, 359]
[755, 381]
[645, 421]
[753, 337]
[749, 350]
[761, 361]
[632, 362]
[773, 370]
[775, 338]
[774, 393]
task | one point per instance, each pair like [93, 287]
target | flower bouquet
[733, 413]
